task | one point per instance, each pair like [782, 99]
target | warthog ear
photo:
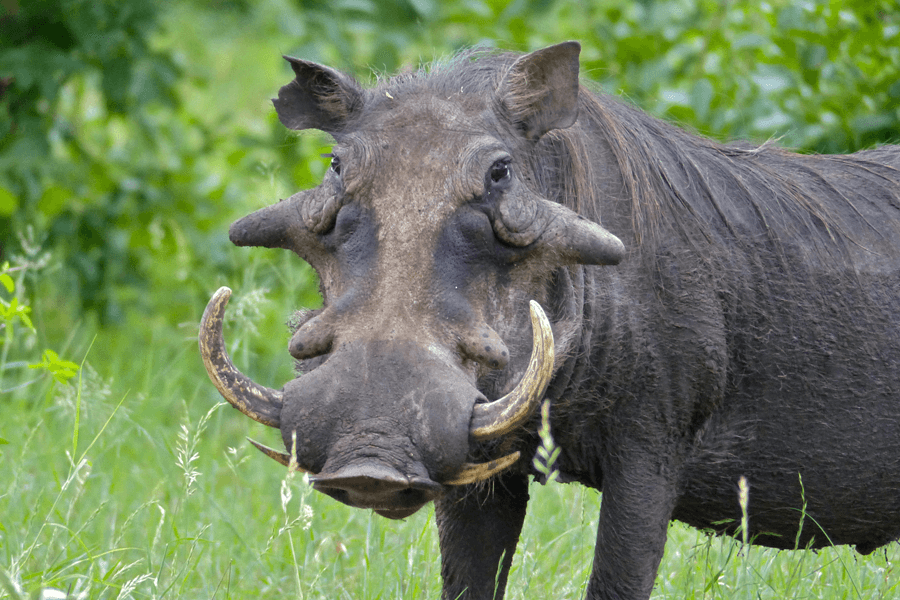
[318, 98]
[540, 91]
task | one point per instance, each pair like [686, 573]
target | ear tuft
[318, 98]
[540, 91]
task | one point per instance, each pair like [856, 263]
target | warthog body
[736, 315]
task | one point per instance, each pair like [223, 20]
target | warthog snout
[380, 487]
[385, 425]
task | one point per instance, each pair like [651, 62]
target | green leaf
[61, 370]
[15, 310]
[9, 202]
[894, 90]
[116, 82]
[54, 199]
[7, 282]
[750, 40]
[23, 316]
[813, 56]
[791, 18]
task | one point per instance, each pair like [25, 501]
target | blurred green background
[133, 131]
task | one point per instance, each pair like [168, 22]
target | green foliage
[61, 370]
[117, 158]
[19, 332]
[547, 453]
[820, 75]
[11, 311]
[82, 86]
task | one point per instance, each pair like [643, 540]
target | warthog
[737, 314]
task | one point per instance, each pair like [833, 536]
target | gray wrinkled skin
[751, 329]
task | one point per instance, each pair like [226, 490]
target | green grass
[152, 492]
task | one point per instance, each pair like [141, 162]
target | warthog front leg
[637, 503]
[479, 525]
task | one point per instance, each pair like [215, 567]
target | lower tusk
[475, 472]
[258, 402]
[494, 419]
[279, 457]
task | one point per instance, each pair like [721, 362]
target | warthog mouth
[380, 488]
[372, 484]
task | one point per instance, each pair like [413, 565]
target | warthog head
[430, 235]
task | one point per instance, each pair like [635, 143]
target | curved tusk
[279, 457]
[494, 419]
[260, 403]
[475, 472]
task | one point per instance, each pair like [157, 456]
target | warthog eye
[335, 162]
[500, 171]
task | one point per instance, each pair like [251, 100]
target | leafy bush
[822, 76]
[80, 158]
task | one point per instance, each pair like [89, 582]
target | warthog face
[430, 235]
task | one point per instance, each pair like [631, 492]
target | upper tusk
[494, 419]
[475, 472]
[258, 402]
